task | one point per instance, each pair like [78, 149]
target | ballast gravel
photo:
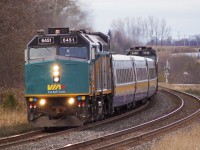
[159, 106]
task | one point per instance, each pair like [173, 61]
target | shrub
[10, 102]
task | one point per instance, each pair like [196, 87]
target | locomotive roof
[128, 57]
[94, 39]
[67, 37]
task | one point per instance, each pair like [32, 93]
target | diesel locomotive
[72, 78]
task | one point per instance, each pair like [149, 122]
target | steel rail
[122, 132]
[27, 138]
[19, 136]
[155, 131]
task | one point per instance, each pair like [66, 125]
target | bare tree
[19, 21]
[164, 31]
[133, 32]
[157, 30]
[151, 28]
[125, 33]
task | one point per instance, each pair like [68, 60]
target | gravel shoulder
[159, 106]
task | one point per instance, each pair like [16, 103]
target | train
[72, 78]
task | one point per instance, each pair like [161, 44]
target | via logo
[53, 87]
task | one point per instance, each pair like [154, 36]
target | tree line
[128, 32]
[19, 21]
[193, 40]
[151, 31]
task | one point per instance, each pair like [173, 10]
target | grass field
[189, 88]
[13, 121]
[187, 139]
[181, 140]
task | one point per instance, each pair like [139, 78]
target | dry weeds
[13, 121]
[181, 140]
[181, 87]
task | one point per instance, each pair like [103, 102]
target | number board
[69, 40]
[45, 40]
[135, 53]
[146, 52]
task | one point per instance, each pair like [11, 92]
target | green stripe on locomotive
[74, 77]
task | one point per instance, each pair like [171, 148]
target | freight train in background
[72, 78]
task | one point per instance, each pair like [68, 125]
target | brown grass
[18, 93]
[181, 140]
[176, 49]
[180, 87]
[13, 121]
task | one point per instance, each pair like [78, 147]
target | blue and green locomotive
[72, 78]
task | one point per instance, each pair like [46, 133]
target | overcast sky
[183, 16]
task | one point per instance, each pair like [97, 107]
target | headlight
[56, 79]
[56, 68]
[42, 102]
[71, 101]
[56, 73]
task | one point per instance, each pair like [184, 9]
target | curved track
[136, 134]
[121, 137]
[35, 136]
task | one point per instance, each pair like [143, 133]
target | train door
[137, 74]
[101, 68]
[101, 79]
[148, 77]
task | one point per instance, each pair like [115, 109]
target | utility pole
[184, 40]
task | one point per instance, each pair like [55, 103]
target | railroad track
[35, 136]
[20, 136]
[190, 108]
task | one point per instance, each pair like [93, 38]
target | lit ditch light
[56, 74]
[56, 79]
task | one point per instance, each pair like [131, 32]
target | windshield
[42, 52]
[77, 52]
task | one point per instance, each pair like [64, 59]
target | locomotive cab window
[41, 52]
[76, 52]
[93, 50]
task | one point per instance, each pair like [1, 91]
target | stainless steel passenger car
[135, 79]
